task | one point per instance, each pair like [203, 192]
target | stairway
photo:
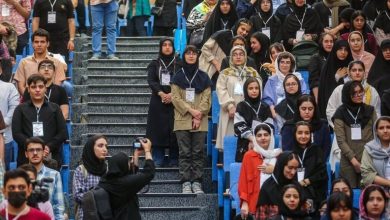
[112, 97]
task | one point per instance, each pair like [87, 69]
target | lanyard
[258, 109]
[190, 82]
[166, 67]
[23, 212]
[265, 23]
[38, 110]
[289, 107]
[275, 179]
[48, 96]
[387, 15]
[303, 157]
[52, 5]
[224, 24]
[354, 118]
[303, 18]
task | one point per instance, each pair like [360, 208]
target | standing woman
[379, 75]
[373, 202]
[230, 91]
[268, 69]
[358, 23]
[287, 108]
[333, 73]
[270, 197]
[376, 155]
[167, 21]
[259, 45]
[381, 27]
[356, 43]
[302, 24]
[249, 112]
[160, 114]
[265, 21]
[257, 166]
[191, 97]
[223, 17]
[308, 112]
[317, 62]
[87, 175]
[312, 174]
[353, 122]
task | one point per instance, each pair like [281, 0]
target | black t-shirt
[63, 11]
[54, 93]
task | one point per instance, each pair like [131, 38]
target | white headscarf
[271, 152]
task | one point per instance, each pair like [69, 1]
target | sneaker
[112, 57]
[186, 187]
[197, 188]
[95, 57]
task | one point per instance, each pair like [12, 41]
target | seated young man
[17, 188]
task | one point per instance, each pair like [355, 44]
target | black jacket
[169, 15]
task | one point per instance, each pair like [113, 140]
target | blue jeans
[68, 88]
[8, 154]
[104, 14]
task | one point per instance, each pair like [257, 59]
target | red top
[249, 182]
[33, 214]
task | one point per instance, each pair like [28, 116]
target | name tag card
[238, 90]
[301, 174]
[5, 10]
[266, 31]
[356, 132]
[165, 79]
[37, 129]
[190, 95]
[300, 34]
[51, 17]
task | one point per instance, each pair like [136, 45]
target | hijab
[166, 58]
[362, 111]
[218, 20]
[315, 122]
[383, 20]
[223, 39]
[239, 70]
[274, 184]
[91, 163]
[298, 213]
[253, 102]
[327, 78]
[346, 15]
[288, 106]
[200, 80]
[363, 212]
[379, 75]
[261, 56]
[270, 152]
[362, 55]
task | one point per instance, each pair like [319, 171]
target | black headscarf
[283, 108]
[365, 111]
[373, 8]
[327, 78]
[383, 20]
[215, 23]
[346, 15]
[166, 58]
[298, 213]
[223, 39]
[379, 75]
[118, 166]
[298, 10]
[254, 102]
[275, 183]
[315, 122]
[261, 56]
[201, 80]
[264, 15]
[91, 163]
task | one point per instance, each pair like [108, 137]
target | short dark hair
[36, 77]
[41, 33]
[338, 200]
[286, 55]
[46, 61]
[16, 173]
[35, 140]
[29, 168]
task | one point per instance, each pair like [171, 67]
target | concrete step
[128, 46]
[131, 40]
[116, 79]
[117, 97]
[169, 186]
[123, 88]
[175, 213]
[118, 63]
[122, 128]
[112, 138]
[114, 117]
[175, 199]
[80, 75]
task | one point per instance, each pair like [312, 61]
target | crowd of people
[247, 51]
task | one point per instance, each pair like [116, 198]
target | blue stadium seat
[356, 197]
[329, 172]
[17, 61]
[180, 40]
[215, 107]
[229, 151]
[209, 137]
[305, 75]
[232, 199]
[337, 170]
[13, 163]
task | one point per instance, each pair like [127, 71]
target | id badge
[254, 124]
[51, 17]
[238, 90]
[5, 10]
[300, 34]
[356, 132]
[190, 94]
[330, 21]
[165, 79]
[37, 129]
[266, 31]
[301, 174]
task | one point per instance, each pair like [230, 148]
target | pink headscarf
[362, 210]
[362, 55]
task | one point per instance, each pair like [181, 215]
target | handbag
[157, 11]
[196, 38]
[122, 9]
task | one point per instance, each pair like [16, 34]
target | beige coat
[368, 170]
[183, 118]
[227, 99]
[210, 51]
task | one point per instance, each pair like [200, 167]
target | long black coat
[160, 116]
[169, 15]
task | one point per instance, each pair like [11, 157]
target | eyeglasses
[291, 84]
[285, 62]
[46, 66]
[358, 94]
[33, 150]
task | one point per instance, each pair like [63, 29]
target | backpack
[96, 204]
[303, 52]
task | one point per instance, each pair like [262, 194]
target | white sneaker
[186, 187]
[197, 188]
